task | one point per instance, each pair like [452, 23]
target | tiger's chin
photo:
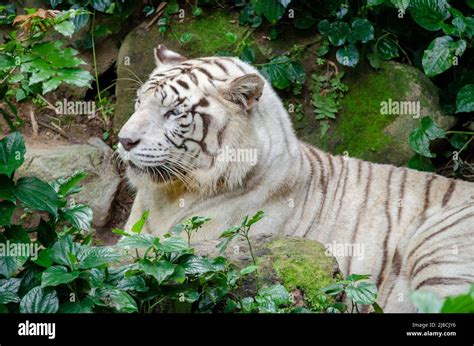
[158, 174]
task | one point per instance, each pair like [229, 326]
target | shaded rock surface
[301, 265]
[100, 186]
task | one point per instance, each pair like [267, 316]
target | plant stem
[461, 132]
[246, 236]
[95, 60]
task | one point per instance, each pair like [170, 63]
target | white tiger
[193, 119]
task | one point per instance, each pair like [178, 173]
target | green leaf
[81, 20]
[362, 292]
[6, 185]
[271, 9]
[9, 291]
[249, 269]
[463, 303]
[358, 277]
[51, 84]
[255, 218]
[90, 257]
[426, 302]
[348, 56]
[362, 30]
[36, 194]
[133, 283]
[39, 300]
[465, 99]
[57, 275]
[65, 28]
[248, 55]
[68, 186]
[303, 22]
[7, 209]
[76, 77]
[231, 37]
[387, 48]
[12, 153]
[197, 11]
[119, 300]
[161, 271]
[6, 62]
[45, 258]
[277, 293]
[439, 56]
[79, 216]
[429, 14]
[138, 241]
[81, 307]
[420, 138]
[196, 265]
[421, 163]
[186, 37]
[338, 33]
[138, 226]
[173, 244]
[101, 5]
[9, 265]
[324, 27]
[401, 4]
[61, 250]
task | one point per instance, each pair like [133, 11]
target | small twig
[34, 123]
[54, 128]
[49, 104]
[159, 11]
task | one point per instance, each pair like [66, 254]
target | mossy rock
[135, 58]
[301, 265]
[361, 130]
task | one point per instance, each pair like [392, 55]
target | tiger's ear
[165, 56]
[244, 91]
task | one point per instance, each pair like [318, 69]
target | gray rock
[100, 186]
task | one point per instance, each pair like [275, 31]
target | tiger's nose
[128, 143]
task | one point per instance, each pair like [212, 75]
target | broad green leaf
[465, 99]
[161, 271]
[133, 283]
[277, 293]
[173, 244]
[271, 9]
[51, 84]
[255, 218]
[426, 302]
[101, 5]
[36, 194]
[362, 292]
[57, 275]
[7, 209]
[463, 303]
[12, 153]
[142, 240]
[79, 216]
[62, 248]
[39, 300]
[90, 257]
[9, 290]
[67, 186]
[248, 55]
[45, 258]
[65, 28]
[6, 62]
[81, 20]
[387, 48]
[421, 163]
[119, 300]
[249, 269]
[186, 37]
[362, 30]
[76, 77]
[439, 55]
[196, 265]
[348, 56]
[338, 33]
[6, 185]
[420, 138]
[303, 22]
[429, 14]
[81, 307]
[401, 4]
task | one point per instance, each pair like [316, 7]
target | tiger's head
[188, 114]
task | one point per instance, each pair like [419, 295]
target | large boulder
[303, 266]
[136, 61]
[50, 162]
[361, 129]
